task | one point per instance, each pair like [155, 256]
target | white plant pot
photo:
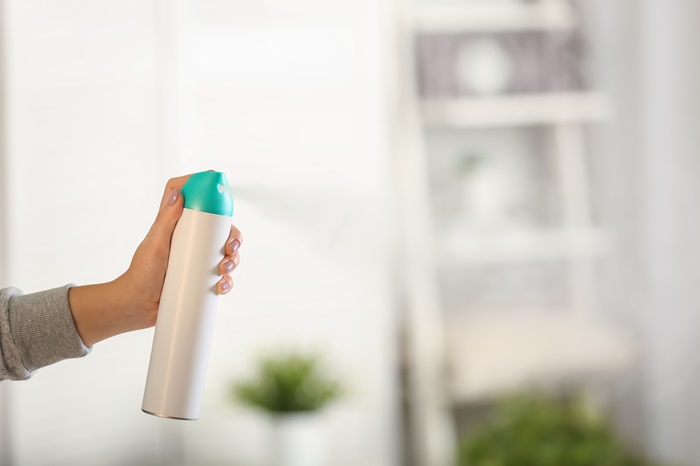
[300, 440]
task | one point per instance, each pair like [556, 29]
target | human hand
[131, 301]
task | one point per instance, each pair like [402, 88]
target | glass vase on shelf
[489, 182]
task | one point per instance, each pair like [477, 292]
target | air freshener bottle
[188, 302]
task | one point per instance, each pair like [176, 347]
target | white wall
[287, 99]
[83, 187]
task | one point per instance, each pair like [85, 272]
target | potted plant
[540, 430]
[292, 387]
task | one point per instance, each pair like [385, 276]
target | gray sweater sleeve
[36, 330]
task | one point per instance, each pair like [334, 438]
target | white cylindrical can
[188, 302]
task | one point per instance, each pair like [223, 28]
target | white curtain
[647, 58]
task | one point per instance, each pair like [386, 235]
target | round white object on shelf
[483, 67]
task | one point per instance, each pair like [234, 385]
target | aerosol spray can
[188, 302]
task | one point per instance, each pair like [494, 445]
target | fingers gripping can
[188, 301]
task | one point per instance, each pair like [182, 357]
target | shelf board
[493, 354]
[516, 110]
[491, 16]
[523, 247]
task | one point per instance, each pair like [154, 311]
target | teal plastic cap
[208, 192]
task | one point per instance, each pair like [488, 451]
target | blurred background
[479, 213]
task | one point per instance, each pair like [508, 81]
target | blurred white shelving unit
[563, 118]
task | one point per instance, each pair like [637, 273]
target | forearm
[104, 310]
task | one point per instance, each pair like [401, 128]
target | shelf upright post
[430, 432]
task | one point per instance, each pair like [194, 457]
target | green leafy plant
[537, 430]
[289, 383]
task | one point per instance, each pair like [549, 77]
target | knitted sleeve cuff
[43, 329]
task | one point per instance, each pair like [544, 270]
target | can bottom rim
[165, 416]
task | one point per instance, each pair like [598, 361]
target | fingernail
[235, 244]
[225, 286]
[172, 199]
[228, 266]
